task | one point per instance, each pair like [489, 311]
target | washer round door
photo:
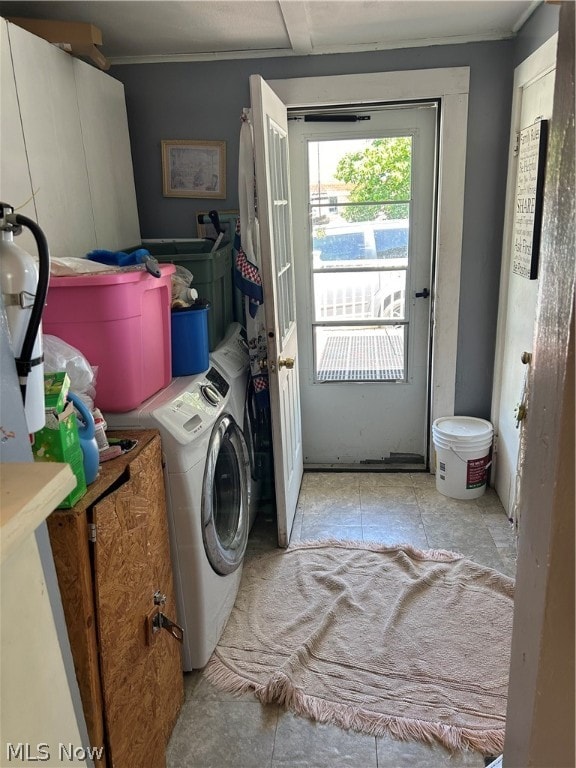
[225, 522]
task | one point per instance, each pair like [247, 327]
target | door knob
[286, 362]
[423, 294]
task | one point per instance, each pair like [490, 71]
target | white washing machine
[231, 358]
[206, 470]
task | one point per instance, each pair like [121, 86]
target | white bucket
[463, 454]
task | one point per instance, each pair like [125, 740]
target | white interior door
[518, 295]
[363, 197]
[270, 126]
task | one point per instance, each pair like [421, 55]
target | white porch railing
[359, 295]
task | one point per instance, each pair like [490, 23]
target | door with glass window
[363, 201]
[271, 164]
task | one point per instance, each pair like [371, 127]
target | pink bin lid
[108, 278]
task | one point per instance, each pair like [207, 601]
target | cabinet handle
[161, 621]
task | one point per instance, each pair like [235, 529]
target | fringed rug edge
[280, 690]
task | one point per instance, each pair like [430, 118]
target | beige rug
[383, 640]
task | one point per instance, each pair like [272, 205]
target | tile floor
[218, 730]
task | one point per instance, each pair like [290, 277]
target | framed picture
[194, 168]
[227, 222]
[529, 199]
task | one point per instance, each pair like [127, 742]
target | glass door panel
[363, 295]
[366, 353]
[360, 199]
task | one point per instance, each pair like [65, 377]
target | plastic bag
[183, 295]
[64, 266]
[61, 356]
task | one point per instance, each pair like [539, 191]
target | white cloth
[249, 235]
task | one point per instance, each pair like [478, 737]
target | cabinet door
[46, 90]
[106, 139]
[141, 678]
[15, 187]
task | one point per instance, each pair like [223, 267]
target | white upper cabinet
[15, 186]
[46, 90]
[76, 149]
[104, 121]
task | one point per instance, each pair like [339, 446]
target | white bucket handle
[466, 460]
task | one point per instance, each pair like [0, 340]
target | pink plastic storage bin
[121, 323]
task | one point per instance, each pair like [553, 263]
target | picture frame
[529, 199]
[227, 222]
[193, 168]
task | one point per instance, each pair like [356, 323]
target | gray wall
[540, 26]
[204, 101]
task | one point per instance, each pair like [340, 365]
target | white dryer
[231, 358]
[206, 470]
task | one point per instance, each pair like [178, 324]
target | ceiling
[134, 31]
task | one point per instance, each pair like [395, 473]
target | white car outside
[359, 270]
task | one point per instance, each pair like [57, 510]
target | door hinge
[516, 149]
[92, 532]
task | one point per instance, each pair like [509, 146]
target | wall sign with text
[528, 199]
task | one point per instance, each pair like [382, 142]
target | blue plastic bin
[190, 348]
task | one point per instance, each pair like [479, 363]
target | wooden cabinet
[113, 563]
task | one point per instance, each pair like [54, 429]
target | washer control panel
[194, 408]
[184, 410]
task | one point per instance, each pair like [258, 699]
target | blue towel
[119, 258]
